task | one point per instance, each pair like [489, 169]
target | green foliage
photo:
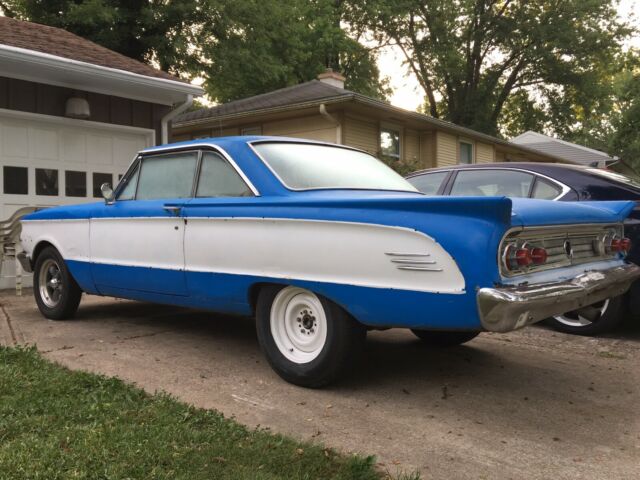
[625, 142]
[257, 46]
[240, 48]
[146, 30]
[57, 424]
[483, 63]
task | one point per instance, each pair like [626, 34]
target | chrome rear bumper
[511, 307]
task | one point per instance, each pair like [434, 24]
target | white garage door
[49, 160]
[46, 161]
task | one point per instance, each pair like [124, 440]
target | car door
[137, 241]
[223, 197]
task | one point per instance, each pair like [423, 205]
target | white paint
[140, 242]
[43, 141]
[324, 251]
[334, 252]
[70, 237]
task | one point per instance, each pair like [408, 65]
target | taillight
[539, 255]
[615, 244]
[523, 257]
[520, 258]
[625, 245]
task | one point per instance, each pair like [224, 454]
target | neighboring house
[569, 152]
[73, 114]
[323, 110]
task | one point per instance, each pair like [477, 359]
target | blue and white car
[322, 242]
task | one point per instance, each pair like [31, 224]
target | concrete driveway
[533, 404]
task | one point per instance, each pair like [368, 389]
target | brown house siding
[34, 97]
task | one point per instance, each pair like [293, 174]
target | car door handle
[173, 209]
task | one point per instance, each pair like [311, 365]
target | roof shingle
[60, 43]
[312, 91]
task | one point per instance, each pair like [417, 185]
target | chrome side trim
[396, 254]
[421, 269]
[506, 308]
[415, 262]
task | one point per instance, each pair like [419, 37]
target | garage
[72, 116]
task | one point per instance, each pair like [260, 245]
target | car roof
[540, 167]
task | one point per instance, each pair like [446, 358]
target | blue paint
[468, 228]
[376, 307]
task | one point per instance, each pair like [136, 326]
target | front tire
[436, 338]
[57, 293]
[606, 315]
[308, 340]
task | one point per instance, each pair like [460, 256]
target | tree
[239, 48]
[476, 58]
[256, 46]
[146, 30]
[625, 141]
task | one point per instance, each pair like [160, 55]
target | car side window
[545, 190]
[492, 183]
[429, 183]
[167, 176]
[128, 191]
[219, 179]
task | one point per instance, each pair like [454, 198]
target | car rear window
[308, 166]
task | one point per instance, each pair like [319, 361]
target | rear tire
[308, 340]
[437, 338]
[57, 293]
[611, 313]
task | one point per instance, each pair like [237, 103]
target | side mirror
[107, 193]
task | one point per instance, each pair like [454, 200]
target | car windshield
[307, 166]
[618, 177]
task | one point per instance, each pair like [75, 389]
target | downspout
[164, 122]
[332, 119]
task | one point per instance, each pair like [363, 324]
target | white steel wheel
[50, 283]
[298, 324]
[574, 319]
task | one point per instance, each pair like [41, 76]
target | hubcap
[298, 324]
[50, 283]
[574, 319]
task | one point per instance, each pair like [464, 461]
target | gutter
[332, 119]
[164, 121]
[53, 61]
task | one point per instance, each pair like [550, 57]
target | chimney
[332, 78]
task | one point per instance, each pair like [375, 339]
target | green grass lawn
[56, 423]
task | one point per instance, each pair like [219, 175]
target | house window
[98, 180]
[466, 153]
[16, 180]
[390, 143]
[251, 130]
[46, 181]
[75, 184]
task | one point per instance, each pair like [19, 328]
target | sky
[407, 92]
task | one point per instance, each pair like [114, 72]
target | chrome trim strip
[196, 146]
[396, 254]
[421, 269]
[415, 262]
